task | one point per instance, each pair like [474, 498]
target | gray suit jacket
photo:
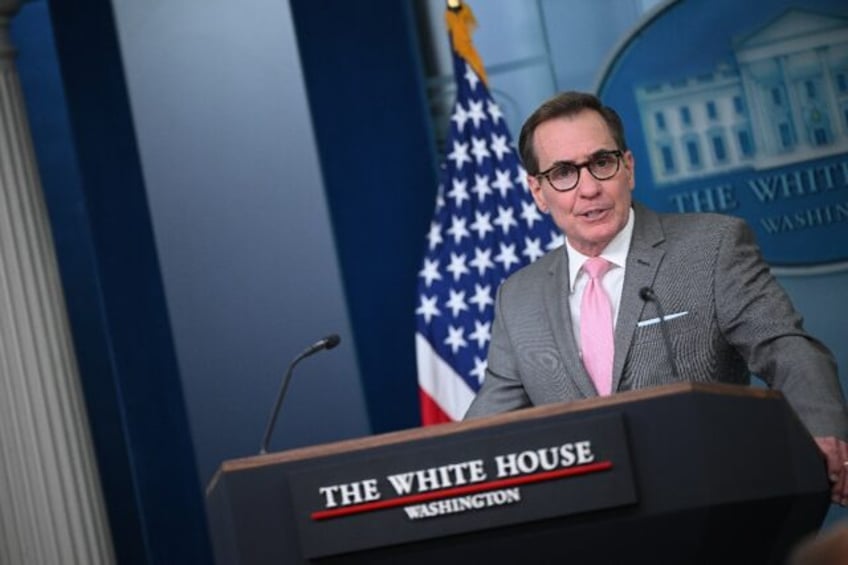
[738, 321]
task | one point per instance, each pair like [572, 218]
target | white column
[51, 505]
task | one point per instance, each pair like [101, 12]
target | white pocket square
[666, 318]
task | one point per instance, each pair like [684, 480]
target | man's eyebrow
[602, 152]
[595, 155]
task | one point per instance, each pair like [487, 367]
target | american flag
[485, 227]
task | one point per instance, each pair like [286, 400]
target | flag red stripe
[431, 412]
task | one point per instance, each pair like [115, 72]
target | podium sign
[462, 484]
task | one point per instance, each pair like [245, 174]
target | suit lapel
[643, 261]
[559, 315]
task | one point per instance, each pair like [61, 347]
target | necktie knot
[596, 267]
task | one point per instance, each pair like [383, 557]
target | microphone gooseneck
[328, 342]
[648, 295]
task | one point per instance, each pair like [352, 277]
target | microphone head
[331, 341]
[646, 293]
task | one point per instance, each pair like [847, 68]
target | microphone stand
[328, 342]
[647, 294]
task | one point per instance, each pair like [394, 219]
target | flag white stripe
[440, 381]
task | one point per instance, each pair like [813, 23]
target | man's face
[594, 211]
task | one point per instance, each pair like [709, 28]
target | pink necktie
[596, 333]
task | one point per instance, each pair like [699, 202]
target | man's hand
[836, 453]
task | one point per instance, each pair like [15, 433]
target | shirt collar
[615, 252]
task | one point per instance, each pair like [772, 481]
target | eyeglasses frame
[617, 153]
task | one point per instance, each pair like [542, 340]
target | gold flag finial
[461, 23]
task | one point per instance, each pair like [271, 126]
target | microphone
[328, 342]
[647, 294]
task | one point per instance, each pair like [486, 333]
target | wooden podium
[685, 473]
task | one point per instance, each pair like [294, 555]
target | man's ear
[536, 191]
[630, 168]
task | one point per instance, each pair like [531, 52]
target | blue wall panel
[365, 85]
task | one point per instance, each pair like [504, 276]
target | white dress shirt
[613, 281]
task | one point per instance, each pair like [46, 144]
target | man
[725, 312]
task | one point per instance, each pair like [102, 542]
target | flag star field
[485, 227]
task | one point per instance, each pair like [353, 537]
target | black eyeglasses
[565, 176]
